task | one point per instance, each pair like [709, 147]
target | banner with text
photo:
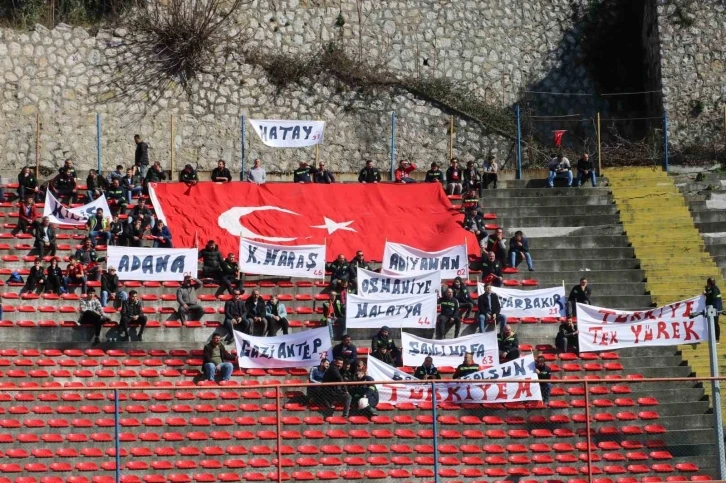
[544, 302]
[60, 214]
[152, 264]
[604, 329]
[375, 286]
[288, 134]
[300, 349]
[450, 352]
[304, 261]
[411, 312]
[401, 259]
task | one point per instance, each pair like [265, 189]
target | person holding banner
[337, 393]
[467, 367]
[216, 360]
[449, 315]
[490, 311]
[235, 315]
[186, 295]
[276, 315]
[427, 370]
[508, 345]
[26, 217]
[45, 238]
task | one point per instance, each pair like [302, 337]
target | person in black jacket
[141, 156]
[358, 261]
[111, 288]
[230, 275]
[188, 175]
[383, 355]
[95, 185]
[467, 367]
[256, 312]
[216, 360]
[211, 260]
[346, 350]
[497, 245]
[235, 316]
[449, 314]
[508, 345]
[54, 282]
[713, 299]
[427, 370]
[132, 313]
[383, 339]
[466, 304]
[135, 233]
[142, 212]
[36, 277]
[585, 170]
[340, 269]
[435, 175]
[519, 250]
[27, 184]
[369, 174]
[491, 270]
[116, 197]
[490, 310]
[64, 186]
[332, 394]
[474, 222]
[303, 174]
[544, 373]
[471, 178]
[567, 336]
[579, 294]
[323, 175]
[45, 238]
[154, 175]
[221, 174]
[367, 391]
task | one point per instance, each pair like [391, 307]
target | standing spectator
[36, 278]
[519, 250]
[211, 261]
[496, 244]
[358, 261]
[333, 312]
[713, 299]
[467, 367]
[257, 174]
[544, 373]
[188, 175]
[131, 184]
[86, 256]
[135, 234]
[471, 178]
[217, 360]
[64, 186]
[154, 175]
[427, 370]
[45, 238]
[315, 394]
[580, 294]
[345, 350]
[449, 314]
[186, 295]
[92, 314]
[117, 231]
[435, 175]
[26, 216]
[369, 174]
[474, 222]
[231, 278]
[323, 175]
[383, 339]
[567, 336]
[340, 270]
[461, 293]
[98, 225]
[363, 396]
[276, 315]
[235, 316]
[95, 185]
[559, 168]
[303, 174]
[116, 198]
[490, 173]
[585, 171]
[454, 178]
[161, 234]
[141, 157]
[111, 288]
[405, 168]
[491, 270]
[75, 275]
[256, 312]
[132, 313]
[221, 174]
[338, 393]
[27, 183]
[54, 282]
[508, 345]
[118, 174]
[490, 310]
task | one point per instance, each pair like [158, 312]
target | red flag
[558, 137]
[346, 217]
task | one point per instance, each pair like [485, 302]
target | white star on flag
[333, 226]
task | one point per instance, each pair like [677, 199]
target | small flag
[558, 137]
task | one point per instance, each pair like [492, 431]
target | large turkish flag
[345, 217]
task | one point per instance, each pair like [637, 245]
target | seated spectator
[427, 370]
[470, 200]
[36, 278]
[382, 354]
[567, 337]
[496, 244]
[111, 288]
[435, 175]
[55, 282]
[345, 289]
[333, 312]
[161, 234]
[211, 261]
[221, 174]
[131, 184]
[116, 198]
[95, 185]
[461, 293]
[276, 314]
[186, 295]
[363, 396]
[323, 175]
[347, 370]
[230, 274]
[345, 350]
[45, 241]
[63, 186]
[454, 178]
[69, 169]
[358, 261]
[580, 294]
[383, 339]
[303, 174]
[467, 367]
[315, 394]
[216, 362]
[86, 256]
[154, 175]
[449, 315]
[491, 270]
[340, 269]
[490, 310]
[118, 233]
[142, 212]
[26, 217]
[141, 155]
[256, 312]
[257, 173]
[98, 225]
[559, 168]
[519, 250]
[75, 275]
[27, 184]
[544, 373]
[135, 234]
[490, 173]
[92, 314]
[405, 168]
[132, 313]
[369, 174]
[118, 174]
[337, 393]
[188, 175]
[471, 178]
[508, 345]
[474, 222]
[585, 171]
[235, 316]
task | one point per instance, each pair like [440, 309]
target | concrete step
[604, 254]
[542, 183]
[579, 242]
[563, 192]
[570, 263]
[556, 211]
[709, 216]
[711, 227]
[494, 203]
[564, 220]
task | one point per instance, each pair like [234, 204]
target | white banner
[450, 352]
[60, 214]
[152, 264]
[604, 329]
[288, 134]
[376, 286]
[304, 261]
[401, 259]
[299, 349]
[411, 311]
[544, 302]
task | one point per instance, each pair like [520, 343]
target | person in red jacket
[402, 172]
[26, 216]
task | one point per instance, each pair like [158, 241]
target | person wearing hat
[402, 172]
[435, 175]
[323, 175]
[383, 339]
[92, 314]
[303, 174]
[111, 288]
[186, 295]
[188, 175]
